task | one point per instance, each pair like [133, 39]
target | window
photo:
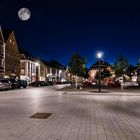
[0, 62]
[3, 63]
[1, 49]
[29, 66]
[22, 64]
[22, 71]
[10, 40]
[48, 70]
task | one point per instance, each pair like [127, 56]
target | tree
[138, 68]
[121, 65]
[138, 72]
[131, 69]
[104, 73]
[77, 65]
[86, 75]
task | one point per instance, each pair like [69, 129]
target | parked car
[22, 83]
[38, 83]
[43, 83]
[50, 82]
[14, 83]
[17, 83]
[5, 84]
[87, 83]
[114, 84]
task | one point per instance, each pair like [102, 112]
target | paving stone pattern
[75, 115]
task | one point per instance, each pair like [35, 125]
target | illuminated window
[3, 63]
[22, 71]
[10, 40]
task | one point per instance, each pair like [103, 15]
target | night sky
[56, 29]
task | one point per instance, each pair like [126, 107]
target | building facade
[95, 68]
[55, 72]
[42, 70]
[12, 57]
[2, 55]
[14, 62]
[29, 69]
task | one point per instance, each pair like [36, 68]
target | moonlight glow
[24, 14]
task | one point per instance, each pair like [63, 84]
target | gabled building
[12, 57]
[2, 55]
[48, 71]
[58, 71]
[28, 66]
[41, 70]
[55, 71]
[95, 67]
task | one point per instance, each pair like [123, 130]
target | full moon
[24, 14]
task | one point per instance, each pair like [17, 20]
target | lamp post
[99, 56]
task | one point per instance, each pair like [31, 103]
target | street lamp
[36, 63]
[99, 56]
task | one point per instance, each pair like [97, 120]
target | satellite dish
[24, 14]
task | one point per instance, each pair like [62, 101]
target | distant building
[12, 57]
[34, 69]
[2, 55]
[28, 67]
[42, 71]
[58, 71]
[55, 71]
[95, 67]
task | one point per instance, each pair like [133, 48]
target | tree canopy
[121, 65]
[77, 65]
[104, 73]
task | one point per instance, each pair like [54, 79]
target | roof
[27, 55]
[56, 64]
[53, 64]
[102, 63]
[45, 62]
[1, 36]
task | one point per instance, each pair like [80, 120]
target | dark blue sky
[56, 29]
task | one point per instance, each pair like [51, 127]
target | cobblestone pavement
[75, 115]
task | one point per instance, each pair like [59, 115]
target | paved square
[75, 115]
